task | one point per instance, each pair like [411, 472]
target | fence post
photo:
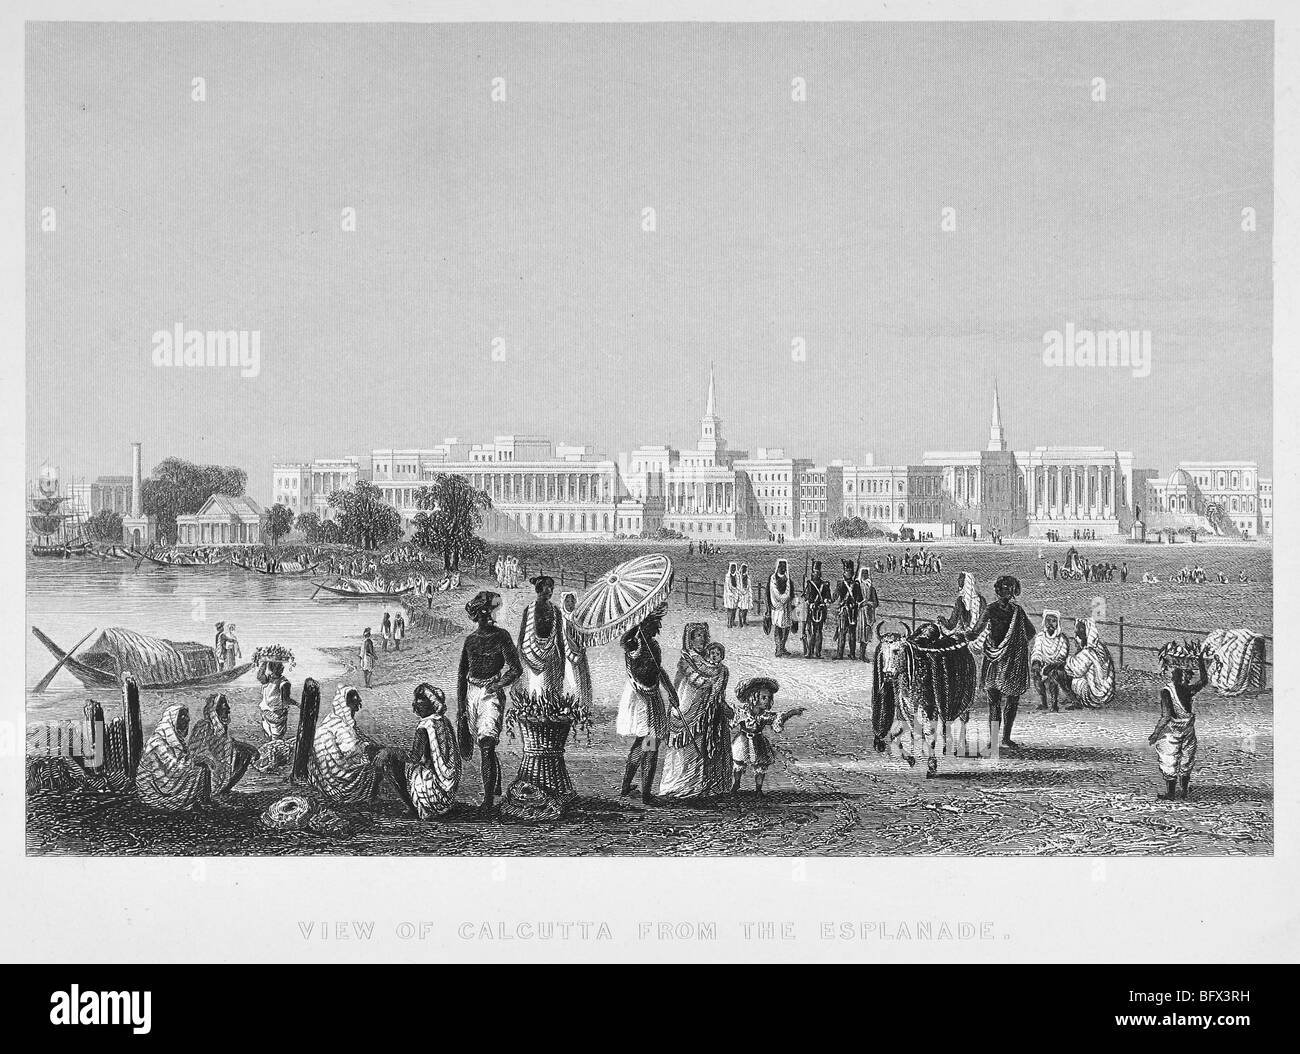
[714, 590]
[913, 613]
[1121, 640]
[585, 583]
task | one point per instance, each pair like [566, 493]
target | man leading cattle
[1005, 673]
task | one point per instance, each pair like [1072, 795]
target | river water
[68, 598]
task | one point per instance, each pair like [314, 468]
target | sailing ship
[56, 526]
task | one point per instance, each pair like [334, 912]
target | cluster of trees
[451, 513]
[450, 516]
[180, 488]
[854, 527]
[105, 526]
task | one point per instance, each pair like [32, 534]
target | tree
[328, 533]
[308, 525]
[451, 512]
[279, 522]
[105, 526]
[364, 518]
[179, 488]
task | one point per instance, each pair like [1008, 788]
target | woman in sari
[577, 674]
[169, 777]
[346, 766]
[210, 743]
[433, 773]
[697, 755]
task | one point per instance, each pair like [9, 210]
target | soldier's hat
[849, 566]
[750, 685]
[817, 567]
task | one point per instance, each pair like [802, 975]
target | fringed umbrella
[622, 598]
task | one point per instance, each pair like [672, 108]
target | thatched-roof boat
[153, 662]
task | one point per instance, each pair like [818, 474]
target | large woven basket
[543, 745]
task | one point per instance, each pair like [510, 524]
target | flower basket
[542, 722]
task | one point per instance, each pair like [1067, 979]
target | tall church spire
[711, 441]
[997, 436]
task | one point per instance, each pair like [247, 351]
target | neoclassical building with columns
[1048, 488]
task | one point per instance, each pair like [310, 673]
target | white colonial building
[223, 520]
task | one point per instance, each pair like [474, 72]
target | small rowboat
[153, 662]
[365, 594]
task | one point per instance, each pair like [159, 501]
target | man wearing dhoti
[731, 592]
[1005, 672]
[169, 777]
[433, 771]
[230, 652]
[346, 766]
[1090, 672]
[648, 698]
[541, 640]
[211, 743]
[489, 664]
[744, 597]
[1050, 651]
[1175, 735]
[780, 599]
[577, 669]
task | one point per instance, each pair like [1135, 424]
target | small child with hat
[749, 742]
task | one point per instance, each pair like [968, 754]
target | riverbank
[1082, 784]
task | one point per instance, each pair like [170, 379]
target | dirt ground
[1082, 783]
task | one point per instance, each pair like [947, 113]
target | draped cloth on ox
[941, 672]
[696, 755]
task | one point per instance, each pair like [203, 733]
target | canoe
[153, 662]
[365, 594]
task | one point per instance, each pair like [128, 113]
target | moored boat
[155, 663]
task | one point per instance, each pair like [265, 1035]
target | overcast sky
[522, 220]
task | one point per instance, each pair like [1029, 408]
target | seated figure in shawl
[433, 772]
[346, 766]
[696, 758]
[1050, 650]
[1175, 735]
[169, 777]
[210, 743]
[1089, 673]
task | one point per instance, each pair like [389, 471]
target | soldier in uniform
[817, 592]
[849, 596]
[866, 610]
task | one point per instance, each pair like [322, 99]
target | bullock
[921, 677]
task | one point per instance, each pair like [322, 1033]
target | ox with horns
[921, 677]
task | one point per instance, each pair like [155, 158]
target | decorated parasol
[617, 601]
